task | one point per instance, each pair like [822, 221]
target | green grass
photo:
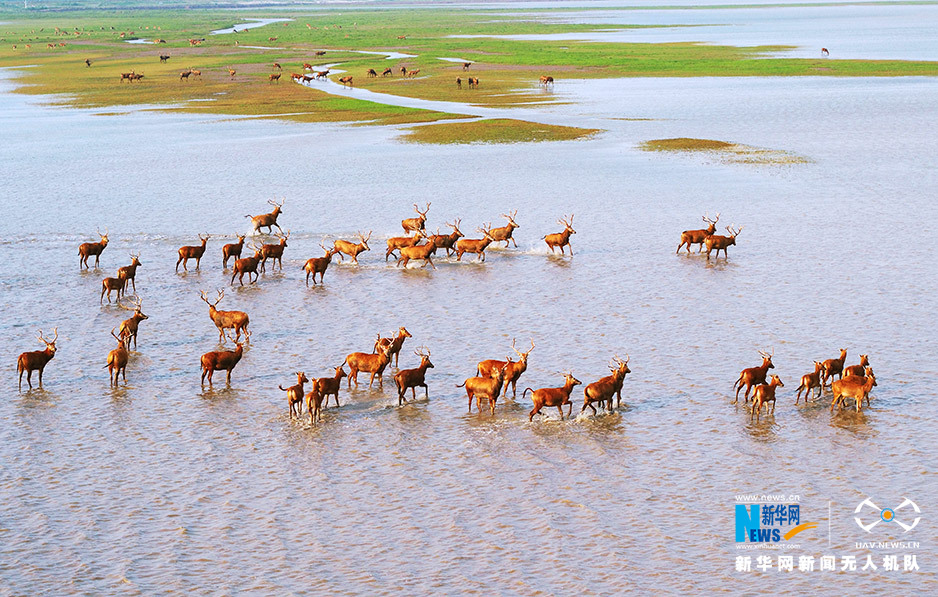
[494, 131]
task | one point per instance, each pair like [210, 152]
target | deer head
[135, 259]
[510, 216]
[120, 339]
[455, 227]
[103, 237]
[278, 207]
[422, 214]
[50, 344]
[767, 358]
[221, 295]
[364, 239]
[424, 353]
[567, 223]
[522, 356]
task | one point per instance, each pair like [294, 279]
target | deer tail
[462, 385]
[283, 388]
[526, 390]
[738, 382]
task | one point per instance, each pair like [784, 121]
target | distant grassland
[508, 70]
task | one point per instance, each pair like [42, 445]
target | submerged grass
[726, 152]
[498, 130]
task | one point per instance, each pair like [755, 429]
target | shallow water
[162, 486]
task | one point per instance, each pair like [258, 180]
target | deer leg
[228, 378]
[470, 401]
[560, 410]
[430, 261]
[204, 371]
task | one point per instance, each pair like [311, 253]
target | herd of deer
[707, 237]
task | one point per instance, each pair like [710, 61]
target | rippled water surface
[162, 486]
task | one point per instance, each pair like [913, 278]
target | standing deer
[319, 265]
[267, 220]
[834, 367]
[222, 360]
[855, 386]
[86, 250]
[128, 273]
[858, 369]
[715, 241]
[414, 378]
[553, 396]
[602, 390]
[393, 344]
[486, 387]
[246, 265]
[419, 252]
[353, 249]
[314, 400]
[117, 360]
[130, 326]
[329, 386]
[109, 284]
[475, 245]
[561, 239]
[273, 77]
[753, 376]
[697, 237]
[295, 394]
[227, 320]
[274, 252]
[764, 394]
[416, 224]
[447, 241]
[809, 381]
[232, 250]
[369, 363]
[347, 81]
[512, 373]
[395, 243]
[36, 360]
[504, 233]
[192, 252]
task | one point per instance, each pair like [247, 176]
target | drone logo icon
[887, 515]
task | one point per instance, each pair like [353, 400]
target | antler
[47, 342]
[425, 209]
[734, 232]
[207, 236]
[420, 351]
[116, 337]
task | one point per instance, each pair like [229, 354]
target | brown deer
[417, 224]
[273, 77]
[127, 77]
[414, 378]
[697, 237]
[267, 220]
[504, 233]
[296, 77]
[473, 82]
[475, 245]
[128, 273]
[274, 252]
[329, 386]
[192, 252]
[320, 52]
[223, 360]
[858, 369]
[715, 241]
[307, 66]
[231, 73]
[465, 65]
[109, 284]
[512, 373]
[561, 239]
[486, 387]
[395, 243]
[130, 326]
[854, 386]
[834, 367]
[763, 394]
[809, 381]
[196, 73]
[319, 265]
[353, 249]
[321, 75]
[277, 64]
[553, 396]
[347, 81]
[393, 343]
[117, 359]
[369, 363]
[246, 265]
[232, 250]
[753, 376]
[413, 73]
[295, 394]
[546, 80]
[185, 75]
[602, 390]
[36, 360]
[419, 252]
[372, 72]
[314, 399]
[447, 241]
[227, 320]
[86, 250]
[387, 72]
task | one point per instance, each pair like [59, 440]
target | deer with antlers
[809, 381]
[117, 359]
[295, 394]
[394, 343]
[857, 387]
[227, 320]
[353, 249]
[396, 243]
[36, 360]
[834, 367]
[512, 373]
[422, 252]
[274, 252]
[267, 220]
[416, 224]
[374, 364]
[130, 326]
[109, 284]
[715, 241]
[319, 265]
[192, 252]
[602, 390]
[553, 396]
[329, 386]
[697, 237]
[128, 273]
[232, 250]
[222, 360]
[753, 376]
[447, 241]
[475, 245]
[504, 233]
[86, 250]
[246, 265]
[764, 394]
[858, 370]
[486, 387]
[414, 378]
[561, 239]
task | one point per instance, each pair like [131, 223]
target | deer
[504, 233]
[129, 272]
[834, 367]
[715, 241]
[307, 66]
[231, 73]
[553, 396]
[858, 369]
[192, 252]
[603, 389]
[418, 252]
[329, 386]
[246, 265]
[319, 265]
[267, 220]
[417, 224]
[697, 237]
[196, 73]
[854, 386]
[753, 376]
[321, 75]
[458, 82]
[393, 343]
[86, 250]
[223, 360]
[296, 77]
[825, 52]
[227, 320]
[117, 360]
[546, 80]
[136, 77]
[347, 81]
[387, 72]
[185, 75]
[473, 82]
[127, 77]
[295, 394]
[353, 249]
[395, 243]
[414, 378]
[487, 387]
[130, 326]
[274, 77]
[314, 399]
[512, 373]
[403, 68]
[809, 381]
[320, 52]
[164, 57]
[466, 65]
[413, 73]
[475, 245]
[764, 394]
[561, 239]
[369, 363]
[447, 241]
[109, 284]
[274, 252]
[372, 72]
[36, 360]
[232, 250]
